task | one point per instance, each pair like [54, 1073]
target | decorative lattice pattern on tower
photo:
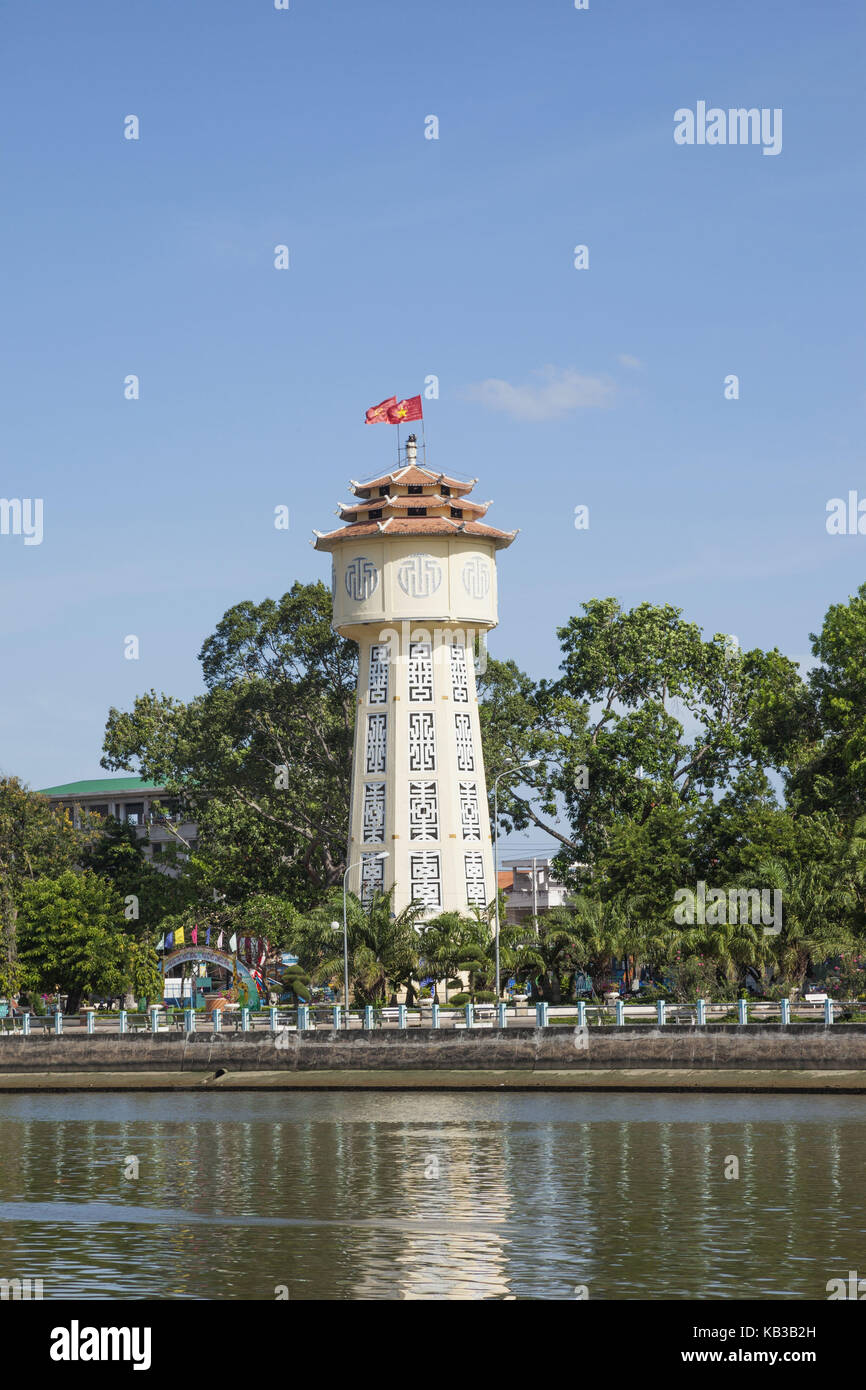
[377, 728]
[373, 819]
[419, 576]
[380, 661]
[459, 681]
[422, 743]
[470, 818]
[475, 890]
[465, 752]
[420, 673]
[362, 578]
[372, 877]
[476, 577]
[423, 811]
[425, 877]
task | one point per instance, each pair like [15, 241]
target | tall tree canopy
[263, 758]
[827, 769]
[646, 714]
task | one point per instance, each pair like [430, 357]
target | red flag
[378, 414]
[405, 410]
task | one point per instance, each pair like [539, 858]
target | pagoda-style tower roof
[412, 500]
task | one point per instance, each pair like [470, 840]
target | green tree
[263, 758]
[71, 940]
[827, 770]
[815, 918]
[296, 983]
[118, 856]
[383, 947]
[646, 714]
[562, 943]
[35, 839]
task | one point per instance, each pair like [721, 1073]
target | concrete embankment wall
[752, 1057]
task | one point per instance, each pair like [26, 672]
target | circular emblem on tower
[419, 576]
[362, 578]
[476, 577]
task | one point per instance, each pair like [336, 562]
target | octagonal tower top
[413, 547]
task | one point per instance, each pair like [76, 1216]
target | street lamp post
[530, 762]
[383, 854]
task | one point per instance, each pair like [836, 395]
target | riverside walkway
[302, 1049]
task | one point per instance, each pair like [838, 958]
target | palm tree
[567, 940]
[446, 941]
[383, 946]
[816, 916]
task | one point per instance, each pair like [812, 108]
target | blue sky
[412, 257]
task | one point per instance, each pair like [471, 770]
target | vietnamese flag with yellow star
[378, 414]
[405, 410]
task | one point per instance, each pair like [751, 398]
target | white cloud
[625, 359]
[554, 392]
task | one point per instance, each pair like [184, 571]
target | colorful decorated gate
[249, 992]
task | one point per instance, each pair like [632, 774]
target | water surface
[369, 1196]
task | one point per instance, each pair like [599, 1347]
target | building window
[446, 491]
[416, 511]
[375, 514]
[415, 490]
[383, 492]
[457, 511]
[134, 812]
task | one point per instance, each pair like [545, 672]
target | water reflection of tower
[449, 1184]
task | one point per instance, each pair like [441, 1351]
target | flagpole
[398, 443]
[424, 440]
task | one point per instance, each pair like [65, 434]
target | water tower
[414, 584]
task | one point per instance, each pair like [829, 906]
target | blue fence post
[189, 1020]
[541, 1014]
[154, 1019]
[743, 1010]
[401, 1016]
[58, 1022]
[702, 1012]
[216, 1019]
[272, 1015]
[369, 1022]
[336, 1010]
[502, 1015]
[581, 1014]
[828, 1010]
[620, 1013]
[470, 1016]
[91, 1021]
[785, 1011]
[434, 1016]
[661, 1012]
[25, 1025]
[245, 1020]
[122, 1025]
[303, 1018]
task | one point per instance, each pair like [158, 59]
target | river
[400, 1195]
